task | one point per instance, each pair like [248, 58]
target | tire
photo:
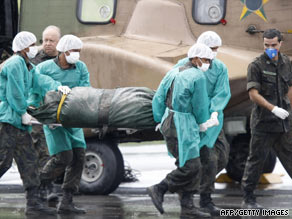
[239, 150]
[103, 169]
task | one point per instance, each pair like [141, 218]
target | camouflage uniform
[187, 177]
[272, 80]
[213, 161]
[41, 57]
[37, 133]
[4, 55]
[72, 161]
[16, 143]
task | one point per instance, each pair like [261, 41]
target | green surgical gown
[16, 81]
[219, 94]
[190, 105]
[59, 138]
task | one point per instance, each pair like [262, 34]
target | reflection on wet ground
[134, 205]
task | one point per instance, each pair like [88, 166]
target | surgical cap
[200, 50]
[210, 38]
[68, 42]
[23, 40]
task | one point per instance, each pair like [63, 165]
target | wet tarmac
[140, 206]
[131, 201]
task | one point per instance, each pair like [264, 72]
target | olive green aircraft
[135, 42]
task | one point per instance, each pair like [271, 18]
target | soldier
[269, 84]
[66, 145]
[214, 151]
[50, 37]
[181, 104]
[17, 78]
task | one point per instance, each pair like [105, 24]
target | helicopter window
[208, 11]
[96, 11]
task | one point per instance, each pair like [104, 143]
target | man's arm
[259, 99]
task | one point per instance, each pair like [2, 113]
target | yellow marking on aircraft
[259, 11]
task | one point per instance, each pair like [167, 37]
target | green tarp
[87, 107]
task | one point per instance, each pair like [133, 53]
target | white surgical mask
[73, 57]
[214, 54]
[33, 50]
[204, 67]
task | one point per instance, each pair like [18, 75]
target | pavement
[150, 163]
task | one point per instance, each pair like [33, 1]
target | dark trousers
[17, 144]
[71, 162]
[213, 160]
[182, 179]
[40, 145]
[260, 145]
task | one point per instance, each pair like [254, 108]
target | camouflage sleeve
[253, 77]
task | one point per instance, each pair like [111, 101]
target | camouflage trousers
[71, 162]
[182, 179]
[40, 145]
[17, 144]
[213, 160]
[260, 145]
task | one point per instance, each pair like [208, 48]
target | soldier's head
[24, 42]
[51, 37]
[212, 40]
[70, 47]
[200, 56]
[272, 42]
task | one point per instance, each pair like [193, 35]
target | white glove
[26, 119]
[157, 127]
[203, 127]
[64, 89]
[280, 112]
[214, 119]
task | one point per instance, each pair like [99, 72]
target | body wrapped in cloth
[87, 107]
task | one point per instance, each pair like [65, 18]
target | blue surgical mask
[271, 52]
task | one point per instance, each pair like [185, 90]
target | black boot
[156, 193]
[66, 206]
[188, 209]
[249, 201]
[34, 205]
[207, 205]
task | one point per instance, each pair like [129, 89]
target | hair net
[23, 40]
[210, 38]
[201, 51]
[68, 42]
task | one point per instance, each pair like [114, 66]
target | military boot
[156, 193]
[207, 205]
[66, 206]
[249, 201]
[34, 205]
[188, 209]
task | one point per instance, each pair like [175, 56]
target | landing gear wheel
[103, 168]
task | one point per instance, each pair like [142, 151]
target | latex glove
[203, 127]
[64, 89]
[26, 119]
[214, 119]
[280, 112]
[157, 127]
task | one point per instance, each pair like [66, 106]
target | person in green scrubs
[181, 105]
[66, 145]
[17, 78]
[214, 146]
